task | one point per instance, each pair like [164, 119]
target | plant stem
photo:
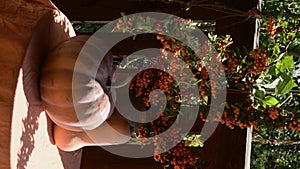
[275, 141]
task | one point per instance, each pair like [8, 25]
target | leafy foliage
[279, 148]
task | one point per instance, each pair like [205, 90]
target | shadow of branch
[30, 126]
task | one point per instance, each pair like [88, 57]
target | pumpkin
[92, 106]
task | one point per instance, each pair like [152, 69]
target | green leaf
[273, 71]
[270, 101]
[124, 16]
[276, 49]
[285, 85]
[284, 24]
[193, 140]
[286, 63]
[290, 35]
[260, 94]
[238, 52]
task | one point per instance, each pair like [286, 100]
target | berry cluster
[148, 80]
[245, 116]
[274, 113]
[241, 67]
[271, 29]
[235, 114]
[277, 118]
[259, 61]
[295, 124]
[232, 64]
[180, 158]
[242, 117]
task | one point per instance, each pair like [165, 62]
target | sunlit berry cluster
[241, 68]
[245, 116]
[201, 64]
[232, 63]
[155, 128]
[259, 61]
[242, 117]
[274, 113]
[295, 123]
[234, 115]
[271, 29]
[277, 118]
[148, 80]
[179, 157]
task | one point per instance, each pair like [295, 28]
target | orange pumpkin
[93, 105]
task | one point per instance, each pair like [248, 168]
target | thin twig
[253, 13]
[275, 141]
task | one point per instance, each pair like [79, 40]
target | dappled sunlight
[30, 143]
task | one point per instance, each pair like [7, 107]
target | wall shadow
[30, 126]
